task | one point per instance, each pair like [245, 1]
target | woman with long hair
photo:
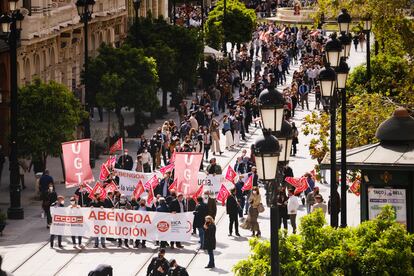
[251, 222]
[210, 239]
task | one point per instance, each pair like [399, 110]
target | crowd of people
[226, 110]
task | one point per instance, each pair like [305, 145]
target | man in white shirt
[292, 208]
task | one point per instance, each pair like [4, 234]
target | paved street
[26, 250]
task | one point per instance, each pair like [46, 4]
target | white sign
[123, 224]
[213, 183]
[379, 197]
[128, 180]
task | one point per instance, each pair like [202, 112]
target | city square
[206, 138]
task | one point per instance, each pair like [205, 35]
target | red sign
[167, 168]
[150, 197]
[223, 194]
[187, 165]
[98, 189]
[104, 172]
[355, 187]
[76, 160]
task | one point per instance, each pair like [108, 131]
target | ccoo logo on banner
[124, 224]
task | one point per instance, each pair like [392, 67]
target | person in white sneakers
[292, 208]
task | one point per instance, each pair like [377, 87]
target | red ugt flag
[187, 165]
[198, 193]
[151, 183]
[223, 194]
[139, 190]
[248, 185]
[119, 145]
[230, 174]
[303, 185]
[104, 172]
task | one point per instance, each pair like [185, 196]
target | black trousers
[79, 240]
[52, 239]
[233, 220]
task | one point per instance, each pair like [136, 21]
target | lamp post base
[15, 213]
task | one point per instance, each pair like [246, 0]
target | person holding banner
[73, 204]
[163, 208]
[123, 204]
[232, 208]
[59, 203]
[177, 206]
[98, 203]
[199, 218]
[82, 195]
[143, 208]
[125, 161]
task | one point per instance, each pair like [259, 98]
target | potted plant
[3, 218]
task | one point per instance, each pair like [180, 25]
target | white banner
[128, 180]
[124, 224]
[213, 183]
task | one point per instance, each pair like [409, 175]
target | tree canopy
[237, 28]
[48, 116]
[380, 246]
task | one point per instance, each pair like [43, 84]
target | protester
[176, 270]
[232, 209]
[211, 204]
[163, 208]
[319, 204]
[336, 208]
[214, 168]
[123, 204]
[210, 240]
[251, 222]
[143, 208]
[48, 200]
[292, 208]
[159, 265]
[282, 202]
[310, 199]
[59, 203]
[177, 205]
[97, 202]
[73, 204]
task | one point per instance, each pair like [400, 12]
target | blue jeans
[97, 241]
[215, 105]
[211, 257]
[201, 234]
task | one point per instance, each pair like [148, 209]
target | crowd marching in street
[218, 120]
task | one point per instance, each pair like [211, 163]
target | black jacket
[125, 162]
[232, 206]
[156, 262]
[200, 214]
[210, 237]
[178, 271]
[175, 206]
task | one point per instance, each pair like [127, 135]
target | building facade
[156, 7]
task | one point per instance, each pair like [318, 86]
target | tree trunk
[109, 130]
[121, 121]
[164, 108]
[63, 167]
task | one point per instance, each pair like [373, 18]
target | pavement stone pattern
[25, 247]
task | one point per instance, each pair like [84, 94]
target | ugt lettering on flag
[187, 165]
[76, 161]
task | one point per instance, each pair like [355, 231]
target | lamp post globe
[367, 24]
[137, 4]
[327, 78]
[267, 150]
[13, 5]
[333, 49]
[342, 72]
[90, 4]
[285, 138]
[344, 21]
[346, 42]
[5, 21]
[271, 103]
[80, 7]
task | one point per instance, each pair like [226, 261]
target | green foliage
[177, 50]
[238, 28]
[377, 247]
[48, 116]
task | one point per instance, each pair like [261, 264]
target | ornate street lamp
[11, 28]
[137, 5]
[367, 24]
[271, 104]
[333, 49]
[85, 11]
[346, 42]
[285, 137]
[267, 150]
[344, 21]
[327, 78]
[342, 72]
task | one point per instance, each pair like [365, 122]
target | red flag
[198, 193]
[223, 194]
[118, 145]
[173, 186]
[88, 188]
[303, 185]
[230, 174]
[150, 197]
[110, 163]
[167, 168]
[355, 187]
[248, 185]
[151, 183]
[139, 189]
[104, 172]
[76, 161]
[111, 187]
[187, 165]
[98, 189]
[295, 182]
